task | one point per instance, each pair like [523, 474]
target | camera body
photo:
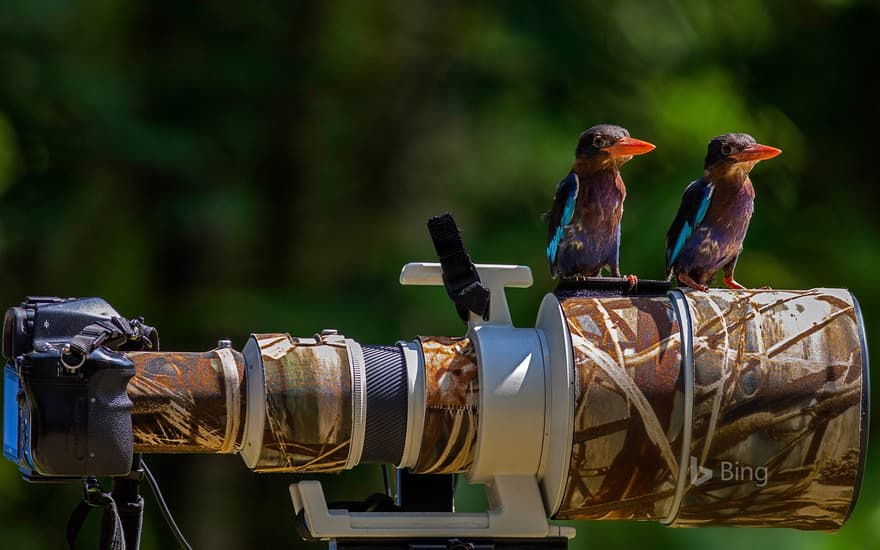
[64, 417]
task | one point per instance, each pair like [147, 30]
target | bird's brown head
[608, 145]
[730, 154]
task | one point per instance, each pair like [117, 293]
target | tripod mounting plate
[516, 511]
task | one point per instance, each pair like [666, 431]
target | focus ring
[387, 405]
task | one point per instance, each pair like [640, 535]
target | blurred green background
[232, 167]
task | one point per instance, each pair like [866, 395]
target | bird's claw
[732, 284]
[684, 279]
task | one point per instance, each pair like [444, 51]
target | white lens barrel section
[511, 421]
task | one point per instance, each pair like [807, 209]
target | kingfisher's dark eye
[726, 149]
[599, 142]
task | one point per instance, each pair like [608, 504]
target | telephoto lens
[690, 408]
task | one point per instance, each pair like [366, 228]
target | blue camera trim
[10, 413]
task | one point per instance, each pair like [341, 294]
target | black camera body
[65, 416]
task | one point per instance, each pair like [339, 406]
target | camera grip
[110, 441]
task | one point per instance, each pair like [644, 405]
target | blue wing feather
[694, 206]
[561, 214]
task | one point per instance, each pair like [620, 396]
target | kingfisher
[707, 233]
[584, 223]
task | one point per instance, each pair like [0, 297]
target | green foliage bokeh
[224, 168]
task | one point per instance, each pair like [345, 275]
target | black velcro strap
[460, 276]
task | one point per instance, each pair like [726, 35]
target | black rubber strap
[460, 276]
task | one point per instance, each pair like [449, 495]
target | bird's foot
[765, 287]
[633, 281]
[685, 279]
[731, 284]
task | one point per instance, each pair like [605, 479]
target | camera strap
[117, 333]
[112, 535]
[460, 276]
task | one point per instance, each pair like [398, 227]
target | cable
[166, 512]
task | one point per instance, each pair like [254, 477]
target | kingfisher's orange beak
[628, 146]
[755, 152]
